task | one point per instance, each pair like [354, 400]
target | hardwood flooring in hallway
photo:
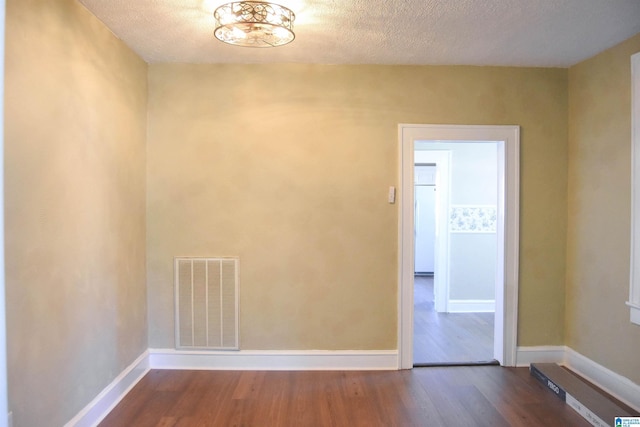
[448, 337]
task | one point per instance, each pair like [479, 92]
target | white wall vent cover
[206, 297]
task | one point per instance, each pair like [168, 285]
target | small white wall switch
[392, 194]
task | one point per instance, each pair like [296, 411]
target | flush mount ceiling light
[254, 24]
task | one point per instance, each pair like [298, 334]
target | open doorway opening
[455, 221]
[507, 143]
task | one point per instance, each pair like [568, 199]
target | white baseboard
[634, 313]
[274, 360]
[472, 306]
[615, 384]
[104, 402]
[99, 407]
[540, 354]
[618, 386]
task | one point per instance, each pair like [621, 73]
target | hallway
[448, 337]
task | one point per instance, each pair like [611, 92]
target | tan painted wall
[287, 166]
[597, 320]
[75, 211]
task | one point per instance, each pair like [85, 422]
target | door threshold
[452, 364]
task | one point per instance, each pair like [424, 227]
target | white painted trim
[508, 138]
[540, 354]
[98, 408]
[442, 159]
[634, 282]
[472, 306]
[618, 386]
[406, 251]
[92, 414]
[509, 245]
[5, 416]
[615, 384]
[274, 360]
[635, 312]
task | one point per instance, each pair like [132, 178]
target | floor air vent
[206, 296]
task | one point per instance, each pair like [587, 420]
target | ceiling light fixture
[254, 24]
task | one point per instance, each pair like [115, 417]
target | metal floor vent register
[206, 297]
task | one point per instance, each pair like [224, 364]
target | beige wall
[74, 197]
[287, 166]
[597, 320]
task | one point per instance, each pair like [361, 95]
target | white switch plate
[392, 194]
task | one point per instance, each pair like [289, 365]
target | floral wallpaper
[473, 219]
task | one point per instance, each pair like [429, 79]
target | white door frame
[442, 159]
[4, 421]
[508, 139]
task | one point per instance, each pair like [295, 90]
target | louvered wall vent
[206, 296]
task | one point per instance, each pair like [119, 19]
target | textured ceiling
[545, 33]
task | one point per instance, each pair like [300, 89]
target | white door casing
[442, 160]
[508, 139]
[634, 287]
[4, 420]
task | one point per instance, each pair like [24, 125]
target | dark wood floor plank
[249, 385]
[434, 397]
[444, 392]
[277, 384]
[191, 395]
[148, 415]
[511, 405]
[414, 407]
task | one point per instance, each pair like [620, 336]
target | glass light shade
[254, 24]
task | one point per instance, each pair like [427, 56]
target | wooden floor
[454, 396]
[448, 337]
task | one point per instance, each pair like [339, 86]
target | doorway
[425, 218]
[455, 188]
[506, 139]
